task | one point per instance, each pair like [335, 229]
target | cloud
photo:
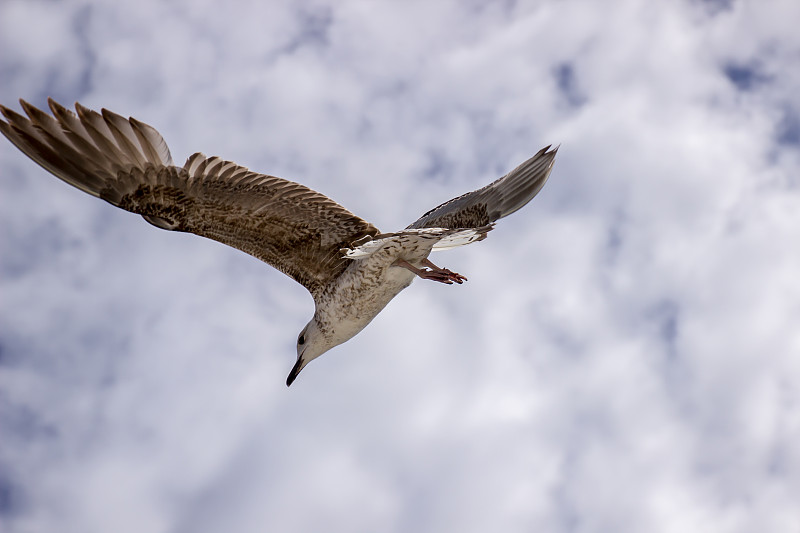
[624, 356]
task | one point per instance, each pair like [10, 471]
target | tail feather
[437, 238]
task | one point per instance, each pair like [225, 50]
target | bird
[351, 269]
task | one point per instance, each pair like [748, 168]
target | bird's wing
[499, 199]
[127, 163]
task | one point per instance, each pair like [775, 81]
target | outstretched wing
[499, 199]
[127, 163]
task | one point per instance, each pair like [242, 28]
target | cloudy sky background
[625, 356]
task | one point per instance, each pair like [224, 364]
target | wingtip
[13, 117]
[110, 115]
[59, 111]
[547, 149]
[6, 112]
[84, 113]
[29, 108]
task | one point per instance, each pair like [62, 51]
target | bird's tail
[86, 150]
[433, 238]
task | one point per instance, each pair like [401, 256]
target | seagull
[351, 269]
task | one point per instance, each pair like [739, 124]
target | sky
[625, 356]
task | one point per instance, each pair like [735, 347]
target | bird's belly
[365, 298]
[360, 294]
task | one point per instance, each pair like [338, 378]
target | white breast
[370, 283]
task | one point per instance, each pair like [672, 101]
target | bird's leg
[455, 276]
[424, 274]
[435, 275]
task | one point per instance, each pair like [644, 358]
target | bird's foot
[442, 275]
[455, 276]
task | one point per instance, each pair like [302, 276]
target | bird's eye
[301, 339]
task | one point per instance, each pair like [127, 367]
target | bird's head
[311, 343]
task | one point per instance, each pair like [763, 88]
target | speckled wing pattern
[481, 208]
[127, 163]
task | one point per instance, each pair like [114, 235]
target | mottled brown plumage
[287, 225]
[351, 270]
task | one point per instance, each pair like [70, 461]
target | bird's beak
[298, 366]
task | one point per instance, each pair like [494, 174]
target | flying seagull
[351, 269]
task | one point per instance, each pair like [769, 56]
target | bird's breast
[360, 293]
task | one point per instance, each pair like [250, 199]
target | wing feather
[127, 163]
[497, 200]
[154, 147]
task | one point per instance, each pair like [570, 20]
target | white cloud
[623, 358]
